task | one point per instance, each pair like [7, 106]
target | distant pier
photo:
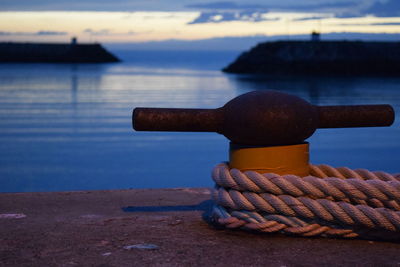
[317, 57]
[55, 53]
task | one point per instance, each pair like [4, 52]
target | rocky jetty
[55, 53]
[320, 58]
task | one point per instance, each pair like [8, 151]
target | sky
[142, 21]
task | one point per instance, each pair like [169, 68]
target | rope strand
[333, 202]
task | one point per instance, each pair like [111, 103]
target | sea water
[68, 126]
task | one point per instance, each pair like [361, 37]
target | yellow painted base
[292, 159]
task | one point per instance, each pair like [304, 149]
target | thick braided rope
[351, 204]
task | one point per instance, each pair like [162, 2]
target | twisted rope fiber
[353, 203]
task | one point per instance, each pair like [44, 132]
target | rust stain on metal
[263, 118]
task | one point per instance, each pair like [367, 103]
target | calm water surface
[68, 127]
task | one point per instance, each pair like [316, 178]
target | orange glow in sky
[60, 26]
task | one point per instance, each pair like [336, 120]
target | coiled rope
[331, 202]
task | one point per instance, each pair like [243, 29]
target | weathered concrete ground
[92, 228]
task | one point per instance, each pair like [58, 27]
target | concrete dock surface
[156, 227]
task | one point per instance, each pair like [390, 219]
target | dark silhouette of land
[320, 58]
[55, 53]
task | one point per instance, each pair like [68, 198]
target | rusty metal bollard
[267, 129]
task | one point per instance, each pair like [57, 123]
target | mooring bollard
[269, 185]
[267, 129]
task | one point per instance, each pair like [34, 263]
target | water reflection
[68, 127]
[326, 90]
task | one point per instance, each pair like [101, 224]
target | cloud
[311, 18]
[39, 33]
[212, 11]
[369, 24]
[168, 5]
[50, 33]
[91, 5]
[9, 33]
[326, 6]
[281, 5]
[225, 6]
[340, 8]
[390, 8]
[216, 12]
[107, 32]
[97, 32]
[218, 17]
[386, 24]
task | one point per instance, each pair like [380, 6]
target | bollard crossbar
[263, 118]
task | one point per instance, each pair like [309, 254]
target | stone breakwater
[320, 58]
[55, 53]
